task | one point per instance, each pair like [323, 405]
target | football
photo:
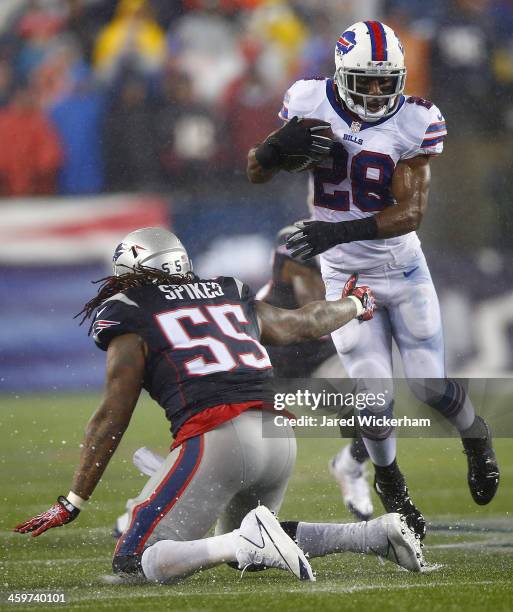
[301, 163]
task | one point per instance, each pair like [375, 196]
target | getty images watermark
[341, 402]
[414, 408]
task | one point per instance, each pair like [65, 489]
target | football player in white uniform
[371, 176]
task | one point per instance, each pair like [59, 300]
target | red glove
[366, 297]
[58, 515]
[350, 285]
[363, 293]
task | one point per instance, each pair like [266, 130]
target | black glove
[293, 139]
[314, 237]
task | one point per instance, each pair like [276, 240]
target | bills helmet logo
[123, 248]
[346, 42]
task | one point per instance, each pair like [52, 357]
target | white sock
[382, 452]
[171, 560]
[319, 539]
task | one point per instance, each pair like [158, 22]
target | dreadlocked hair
[140, 277]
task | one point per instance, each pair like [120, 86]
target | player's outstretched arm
[279, 326]
[410, 187]
[123, 383]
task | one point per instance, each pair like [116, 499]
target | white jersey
[355, 182]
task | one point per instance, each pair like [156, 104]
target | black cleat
[483, 469]
[395, 498]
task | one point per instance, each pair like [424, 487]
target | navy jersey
[297, 360]
[203, 343]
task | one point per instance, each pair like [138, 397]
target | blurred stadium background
[116, 114]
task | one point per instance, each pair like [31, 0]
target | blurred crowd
[138, 95]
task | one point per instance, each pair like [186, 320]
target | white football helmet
[154, 247]
[369, 50]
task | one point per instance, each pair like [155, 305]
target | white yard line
[164, 591]
[7, 533]
[497, 545]
[76, 602]
[55, 561]
[133, 592]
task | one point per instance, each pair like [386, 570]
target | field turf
[472, 546]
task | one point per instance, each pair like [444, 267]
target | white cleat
[350, 475]
[146, 461]
[263, 542]
[389, 537]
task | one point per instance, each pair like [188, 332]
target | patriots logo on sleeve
[101, 324]
[346, 42]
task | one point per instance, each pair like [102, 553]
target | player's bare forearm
[410, 187]
[280, 326]
[255, 172]
[124, 376]
[103, 434]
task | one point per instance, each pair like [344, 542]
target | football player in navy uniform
[370, 147]
[293, 284]
[195, 345]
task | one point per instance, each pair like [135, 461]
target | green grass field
[40, 436]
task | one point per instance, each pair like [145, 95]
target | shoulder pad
[302, 97]
[121, 297]
[115, 316]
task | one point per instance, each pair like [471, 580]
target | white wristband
[359, 306]
[76, 500]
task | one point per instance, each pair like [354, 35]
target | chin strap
[356, 107]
